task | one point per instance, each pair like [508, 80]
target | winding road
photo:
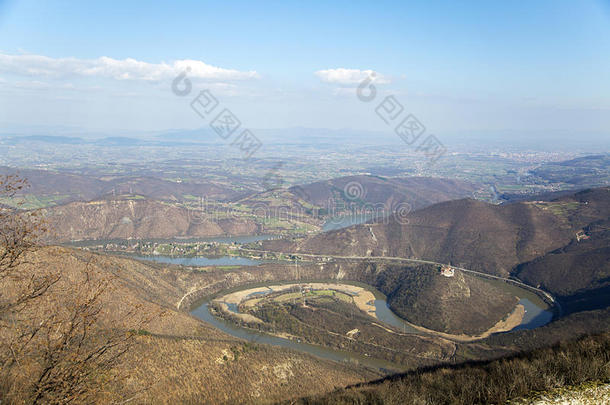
[543, 293]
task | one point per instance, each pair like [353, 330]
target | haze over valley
[304, 203]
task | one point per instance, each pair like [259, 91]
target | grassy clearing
[560, 209]
[31, 201]
[312, 294]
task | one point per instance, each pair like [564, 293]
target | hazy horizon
[491, 68]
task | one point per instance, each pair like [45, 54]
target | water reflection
[385, 315]
[343, 221]
[202, 312]
[534, 316]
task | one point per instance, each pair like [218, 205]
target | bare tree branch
[56, 344]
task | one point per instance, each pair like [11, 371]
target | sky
[459, 67]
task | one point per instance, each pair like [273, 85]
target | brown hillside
[79, 187]
[579, 273]
[469, 233]
[176, 358]
[460, 305]
[566, 366]
[136, 218]
[418, 192]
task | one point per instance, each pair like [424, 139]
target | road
[537, 290]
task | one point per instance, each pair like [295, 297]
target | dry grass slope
[176, 358]
[568, 364]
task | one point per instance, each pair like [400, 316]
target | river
[537, 314]
[202, 312]
[343, 221]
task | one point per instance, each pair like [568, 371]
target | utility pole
[296, 273]
[296, 264]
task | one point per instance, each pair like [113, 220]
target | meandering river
[202, 312]
[536, 314]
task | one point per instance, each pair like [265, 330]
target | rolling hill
[586, 171]
[468, 233]
[418, 192]
[459, 305]
[578, 273]
[55, 187]
[154, 208]
[124, 218]
[173, 358]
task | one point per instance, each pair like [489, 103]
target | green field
[31, 201]
[312, 294]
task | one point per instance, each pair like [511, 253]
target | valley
[367, 293]
[299, 203]
[324, 313]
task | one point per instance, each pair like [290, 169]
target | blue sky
[459, 66]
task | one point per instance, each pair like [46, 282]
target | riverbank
[514, 319]
[365, 301]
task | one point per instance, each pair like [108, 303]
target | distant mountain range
[319, 137]
[310, 136]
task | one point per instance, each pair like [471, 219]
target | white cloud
[120, 69]
[350, 76]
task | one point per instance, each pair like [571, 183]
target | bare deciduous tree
[19, 231]
[79, 347]
[57, 342]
